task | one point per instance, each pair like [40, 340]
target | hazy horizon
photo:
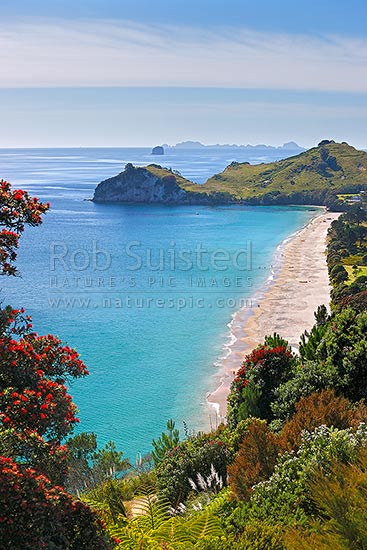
[110, 74]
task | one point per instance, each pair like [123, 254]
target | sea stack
[159, 150]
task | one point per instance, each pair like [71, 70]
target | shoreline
[298, 285]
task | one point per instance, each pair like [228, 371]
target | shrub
[194, 456]
[310, 341]
[335, 269]
[340, 277]
[168, 440]
[321, 408]
[253, 387]
[285, 497]
[261, 536]
[344, 351]
[307, 379]
[357, 302]
[340, 362]
[255, 460]
[36, 411]
[256, 536]
[36, 514]
[17, 209]
[341, 501]
[338, 271]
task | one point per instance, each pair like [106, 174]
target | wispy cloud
[54, 53]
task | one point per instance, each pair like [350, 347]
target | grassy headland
[330, 174]
[315, 176]
[320, 171]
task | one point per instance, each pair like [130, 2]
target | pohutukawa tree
[36, 413]
[253, 387]
[17, 209]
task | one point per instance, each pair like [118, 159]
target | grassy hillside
[328, 167]
[329, 174]
[197, 194]
[162, 172]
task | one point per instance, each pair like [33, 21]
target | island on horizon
[192, 144]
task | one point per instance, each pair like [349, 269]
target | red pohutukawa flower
[35, 513]
[33, 395]
[36, 413]
[33, 373]
[17, 209]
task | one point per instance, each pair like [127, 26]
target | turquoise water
[145, 293]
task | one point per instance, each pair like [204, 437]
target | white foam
[238, 322]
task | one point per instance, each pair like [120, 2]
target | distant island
[317, 176]
[289, 146]
[158, 150]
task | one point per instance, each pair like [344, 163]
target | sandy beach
[287, 307]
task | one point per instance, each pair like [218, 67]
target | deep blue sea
[145, 293]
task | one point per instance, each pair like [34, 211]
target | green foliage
[250, 402]
[228, 543]
[285, 496]
[321, 315]
[339, 350]
[37, 514]
[107, 500]
[341, 500]
[356, 214]
[310, 341]
[255, 536]
[154, 526]
[166, 442]
[276, 341]
[344, 351]
[347, 249]
[88, 465]
[82, 446]
[307, 379]
[114, 498]
[256, 382]
[341, 277]
[261, 536]
[81, 449]
[194, 456]
[109, 462]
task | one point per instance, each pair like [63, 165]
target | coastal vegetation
[36, 414]
[288, 470]
[317, 176]
[331, 174]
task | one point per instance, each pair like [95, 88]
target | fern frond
[133, 538]
[149, 510]
[204, 524]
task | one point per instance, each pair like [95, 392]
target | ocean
[146, 293]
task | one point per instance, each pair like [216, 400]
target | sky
[146, 72]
